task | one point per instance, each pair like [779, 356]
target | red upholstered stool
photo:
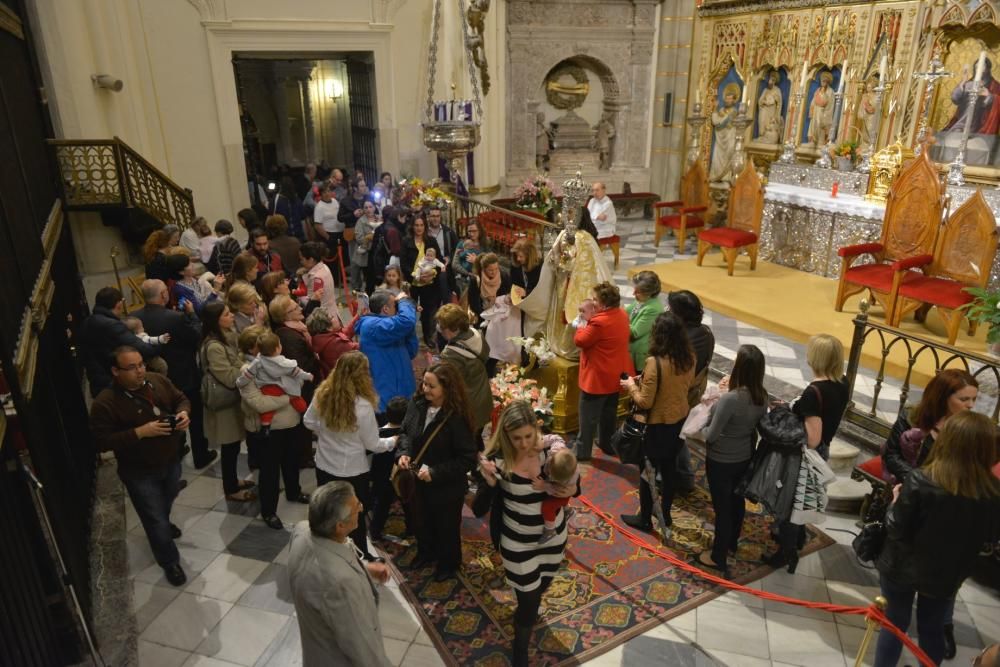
[612, 242]
[730, 241]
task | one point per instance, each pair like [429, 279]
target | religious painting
[772, 106]
[728, 93]
[960, 101]
[817, 122]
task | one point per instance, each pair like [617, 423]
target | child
[275, 375]
[393, 280]
[155, 364]
[560, 483]
[381, 467]
[430, 262]
[586, 310]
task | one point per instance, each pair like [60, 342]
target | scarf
[489, 287]
[301, 328]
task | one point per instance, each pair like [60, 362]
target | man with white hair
[334, 592]
[602, 211]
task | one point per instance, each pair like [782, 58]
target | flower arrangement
[537, 347]
[510, 384]
[848, 149]
[538, 193]
[417, 194]
[985, 309]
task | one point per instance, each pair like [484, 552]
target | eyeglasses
[132, 367]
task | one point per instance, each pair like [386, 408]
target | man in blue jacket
[388, 338]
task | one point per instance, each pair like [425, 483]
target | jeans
[729, 506]
[230, 456]
[598, 416]
[660, 448]
[931, 613]
[152, 493]
[360, 485]
[279, 457]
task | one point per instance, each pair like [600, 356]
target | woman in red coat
[330, 339]
[603, 341]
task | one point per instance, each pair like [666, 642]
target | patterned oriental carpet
[608, 591]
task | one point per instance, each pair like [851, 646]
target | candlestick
[883, 66]
[980, 66]
[956, 170]
[843, 77]
[746, 90]
[696, 121]
[788, 150]
[930, 78]
[805, 73]
[697, 96]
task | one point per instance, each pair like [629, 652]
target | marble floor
[236, 610]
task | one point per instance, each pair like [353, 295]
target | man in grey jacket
[335, 593]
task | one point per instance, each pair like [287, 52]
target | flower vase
[844, 163]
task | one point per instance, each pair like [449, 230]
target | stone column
[308, 120]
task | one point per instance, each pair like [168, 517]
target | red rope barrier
[870, 612]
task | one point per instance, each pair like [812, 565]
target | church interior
[804, 167]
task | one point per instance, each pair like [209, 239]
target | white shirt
[345, 453]
[325, 214]
[206, 245]
[603, 206]
[322, 272]
[190, 240]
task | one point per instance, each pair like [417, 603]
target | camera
[170, 420]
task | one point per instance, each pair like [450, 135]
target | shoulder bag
[627, 440]
[404, 480]
[214, 394]
[868, 543]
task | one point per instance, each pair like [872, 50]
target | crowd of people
[300, 343]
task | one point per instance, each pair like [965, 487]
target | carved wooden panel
[694, 186]
[913, 211]
[967, 243]
[746, 201]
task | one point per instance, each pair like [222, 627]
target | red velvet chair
[909, 229]
[963, 257]
[742, 230]
[687, 212]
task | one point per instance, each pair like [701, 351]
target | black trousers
[428, 298]
[279, 459]
[729, 506]
[199, 444]
[360, 485]
[439, 526]
[383, 495]
[660, 448]
[526, 614]
[230, 457]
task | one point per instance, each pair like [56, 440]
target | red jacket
[329, 347]
[604, 354]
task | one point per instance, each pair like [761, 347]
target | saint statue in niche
[542, 137]
[985, 117]
[604, 134]
[821, 111]
[769, 111]
[866, 113]
[721, 168]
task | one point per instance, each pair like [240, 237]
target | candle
[980, 66]
[843, 76]
[882, 67]
[697, 96]
[805, 73]
[746, 90]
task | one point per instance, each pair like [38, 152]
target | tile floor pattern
[236, 610]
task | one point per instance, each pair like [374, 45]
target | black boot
[949, 642]
[522, 637]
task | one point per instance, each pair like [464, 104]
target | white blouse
[345, 453]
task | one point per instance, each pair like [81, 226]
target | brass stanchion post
[118, 279]
[872, 626]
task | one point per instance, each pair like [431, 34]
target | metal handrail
[101, 173]
[507, 225]
[944, 355]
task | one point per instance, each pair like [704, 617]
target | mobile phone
[182, 303]
[624, 376]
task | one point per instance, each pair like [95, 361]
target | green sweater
[641, 316]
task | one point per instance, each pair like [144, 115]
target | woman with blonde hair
[342, 416]
[941, 516]
[512, 461]
[245, 303]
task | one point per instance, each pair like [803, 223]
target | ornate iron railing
[108, 173]
[983, 367]
[503, 226]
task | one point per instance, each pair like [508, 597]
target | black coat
[525, 279]
[893, 459]
[100, 334]
[181, 353]
[933, 538]
[450, 455]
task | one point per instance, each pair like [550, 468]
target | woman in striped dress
[516, 458]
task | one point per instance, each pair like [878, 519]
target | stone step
[845, 495]
[843, 457]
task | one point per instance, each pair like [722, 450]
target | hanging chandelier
[451, 127]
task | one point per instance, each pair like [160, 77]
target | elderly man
[602, 211]
[181, 356]
[335, 594]
[142, 418]
[388, 337]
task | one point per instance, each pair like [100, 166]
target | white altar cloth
[820, 200]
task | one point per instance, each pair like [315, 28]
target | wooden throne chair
[963, 257]
[909, 230]
[686, 213]
[742, 230]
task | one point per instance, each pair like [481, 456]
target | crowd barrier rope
[874, 613]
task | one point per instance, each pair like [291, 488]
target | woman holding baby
[423, 278]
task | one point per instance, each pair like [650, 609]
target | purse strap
[204, 362]
[427, 442]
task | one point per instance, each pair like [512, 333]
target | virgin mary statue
[571, 269]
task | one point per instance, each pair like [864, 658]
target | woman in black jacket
[438, 417]
[942, 515]
[424, 288]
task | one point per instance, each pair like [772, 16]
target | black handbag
[869, 542]
[627, 440]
